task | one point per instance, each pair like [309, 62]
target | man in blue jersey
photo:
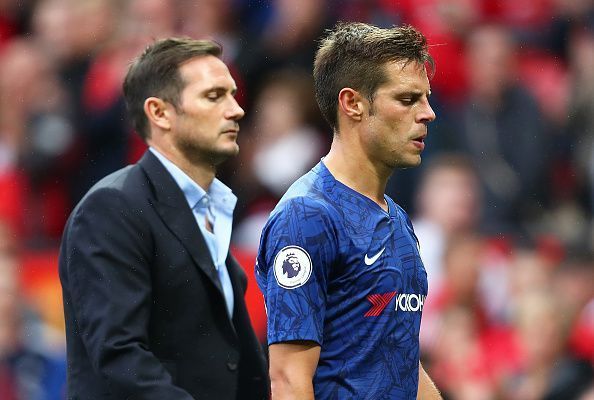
[339, 263]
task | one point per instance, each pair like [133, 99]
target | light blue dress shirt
[216, 204]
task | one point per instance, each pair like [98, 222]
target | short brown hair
[353, 55]
[156, 73]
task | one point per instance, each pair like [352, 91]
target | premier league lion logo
[291, 266]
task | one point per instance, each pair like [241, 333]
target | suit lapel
[235, 272]
[235, 276]
[171, 204]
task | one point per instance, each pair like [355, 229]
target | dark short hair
[156, 73]
[354, 54]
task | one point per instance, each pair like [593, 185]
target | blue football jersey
[337, 269]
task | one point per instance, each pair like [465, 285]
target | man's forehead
[407, 74]
[207, 71]
[406, 67]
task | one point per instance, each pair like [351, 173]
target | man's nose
[427, 114]
[235, 112]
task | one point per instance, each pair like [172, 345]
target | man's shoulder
[311, 190]
[124, 181]
[303, 215]
[124, 185]
[301, 208]
[302, 203]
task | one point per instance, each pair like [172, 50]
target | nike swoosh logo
[371, 260]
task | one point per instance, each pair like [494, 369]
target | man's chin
[408, 163]
[232, 151]
[213, 157]
[224, 154]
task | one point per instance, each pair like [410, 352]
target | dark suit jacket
[145, 311]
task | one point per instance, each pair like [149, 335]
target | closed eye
[217, 94]
[409, 99]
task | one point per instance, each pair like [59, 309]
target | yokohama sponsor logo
[409, 302]
[404, 302]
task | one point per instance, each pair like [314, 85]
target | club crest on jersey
[292, 267]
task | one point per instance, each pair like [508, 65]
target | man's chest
[376, 268]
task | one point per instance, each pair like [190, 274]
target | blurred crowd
[502, 203]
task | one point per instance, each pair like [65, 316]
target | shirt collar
[219, 195]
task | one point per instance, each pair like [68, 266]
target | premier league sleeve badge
[292, 267]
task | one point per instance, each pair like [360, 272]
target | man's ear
[351, 103]
[158, 112]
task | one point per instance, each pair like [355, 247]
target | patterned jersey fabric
[338, 270]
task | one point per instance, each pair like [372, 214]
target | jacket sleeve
[107, 251]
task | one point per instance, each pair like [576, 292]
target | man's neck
[201, 173]
[354, 169]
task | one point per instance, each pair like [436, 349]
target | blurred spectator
[28, 369]
[281, 133]
[36, 143]
[76, 31]
[462, 262]
[511, 269]
[528, 270]
[504, 132]
[106, 128]
[588, 395]
[527, 19]
[13, 19]
[465, 264]
[73, 29]
[212, 19]
[574, 286]
[568, 16]
[548, 371]
[287, 40]
[146, 20]
[459, 286]
[458, 361]
[574, 194]
[448, 205]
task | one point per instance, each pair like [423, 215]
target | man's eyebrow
[412, 93]
[221, 89]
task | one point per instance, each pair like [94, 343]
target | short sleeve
[297, 250]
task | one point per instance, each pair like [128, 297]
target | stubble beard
[197, 154]
[405, 164]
